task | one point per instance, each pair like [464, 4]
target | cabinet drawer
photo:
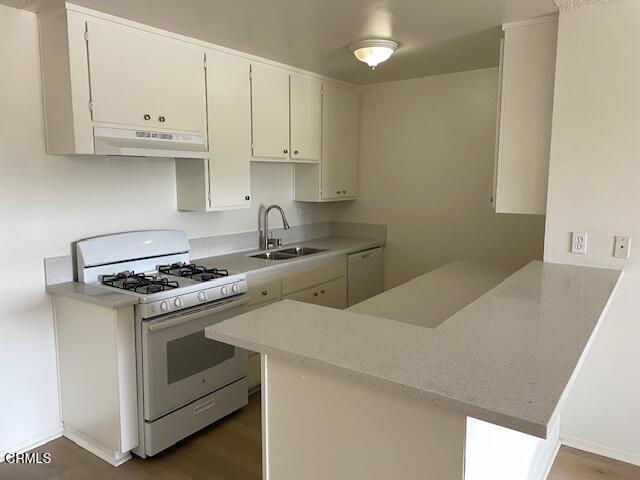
[264, 292]
[329, 294]
[310, 278]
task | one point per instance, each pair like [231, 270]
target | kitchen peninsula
[454, 374]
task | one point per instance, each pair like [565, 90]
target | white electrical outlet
[622, 246]
[579, 242]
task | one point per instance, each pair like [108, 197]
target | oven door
[180, 364]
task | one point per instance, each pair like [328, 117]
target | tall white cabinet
[334, 178]
[524, 116]
[222, 181]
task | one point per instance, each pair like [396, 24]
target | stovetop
[139, 282]
[166, 277]
[176, 286]
[198, 273]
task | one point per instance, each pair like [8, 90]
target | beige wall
[594, 186]
[426, 170]
[46, 202]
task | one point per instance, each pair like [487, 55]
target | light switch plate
[579, 242]
[622, 246]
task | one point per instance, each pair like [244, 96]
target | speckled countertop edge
[495, 406]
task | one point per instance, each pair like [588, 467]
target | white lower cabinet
[322, 284]
[262, 292]
[222, 181]
[99, 410]
[330, 294]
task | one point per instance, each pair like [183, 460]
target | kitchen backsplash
[60, 269]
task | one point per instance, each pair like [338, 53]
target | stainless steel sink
[273, 256]
[301, 251]
[288, 253]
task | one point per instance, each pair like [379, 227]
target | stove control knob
[224, 290]
[202, 296]
[235, 288]
[178, 302]
[164, 306]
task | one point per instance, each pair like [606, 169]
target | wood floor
[230, 450]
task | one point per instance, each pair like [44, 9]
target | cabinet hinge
[91, 106]
[86, 35]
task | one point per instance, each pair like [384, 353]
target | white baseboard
[621, 455]
[33, 442]
[105, 453]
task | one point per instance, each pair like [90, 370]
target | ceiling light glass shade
[374, 52]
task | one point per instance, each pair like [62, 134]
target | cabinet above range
[112, 89]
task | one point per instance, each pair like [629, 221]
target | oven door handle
[189, 317]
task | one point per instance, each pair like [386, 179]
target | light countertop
[93, 294]
[240, 262]
[507, 357]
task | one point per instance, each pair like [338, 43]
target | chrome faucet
[267, 242]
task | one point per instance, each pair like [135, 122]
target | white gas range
[184, 381]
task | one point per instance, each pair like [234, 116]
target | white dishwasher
[365, 275]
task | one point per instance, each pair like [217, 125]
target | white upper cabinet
[335, 178]
[223, 181]
[178, 83]
[524, 116]
[117, 97]
[306, 118]
[229, 100]
[270, 111]
[103, 73]
[340, 128]
[142, 79]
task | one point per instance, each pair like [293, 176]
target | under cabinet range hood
[148, 143]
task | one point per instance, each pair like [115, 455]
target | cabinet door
[177, 78]
[306, 118]
[309, 295]
[333, 294]
[330, 165]
[264, 293]
[119, 74]
[330, 294]
[229, 122]
[351, 146]
[270, 111]
[526, 110]
[340, 137]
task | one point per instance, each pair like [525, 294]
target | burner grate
[195, 272]
[138, 282]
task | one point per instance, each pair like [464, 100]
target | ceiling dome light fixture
[374, 51]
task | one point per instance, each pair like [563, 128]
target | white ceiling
[435, 36]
